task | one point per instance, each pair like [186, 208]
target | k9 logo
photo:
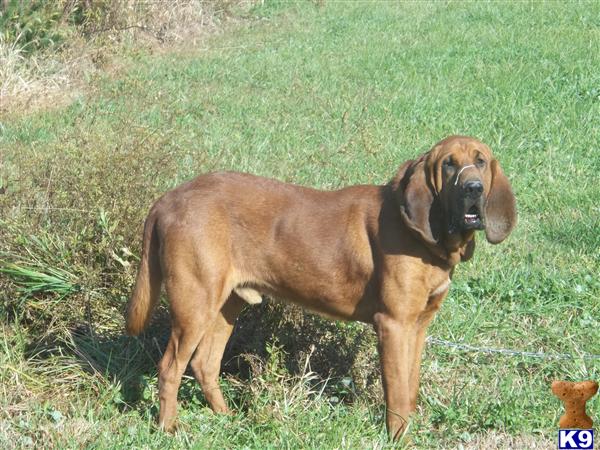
[575, 439]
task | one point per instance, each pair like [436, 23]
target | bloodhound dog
[382, 255]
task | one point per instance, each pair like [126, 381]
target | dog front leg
[421, 326]
[396, 347]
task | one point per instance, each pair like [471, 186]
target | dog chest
[440, 288]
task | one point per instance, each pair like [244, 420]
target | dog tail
[146, 292]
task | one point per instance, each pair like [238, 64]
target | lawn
[325, 94]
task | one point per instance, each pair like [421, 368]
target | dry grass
[57, 76]
[496, 440]
[29, 82]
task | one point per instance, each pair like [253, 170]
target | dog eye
[448, 163]
[480, 162]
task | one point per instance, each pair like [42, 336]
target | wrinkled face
[463, 177]
[456, 187]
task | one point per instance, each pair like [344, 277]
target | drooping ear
[418, 206]
[467, 252]
[500, 208]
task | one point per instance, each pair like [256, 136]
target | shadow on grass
[344, 353]
[131, 362]
[117, 358]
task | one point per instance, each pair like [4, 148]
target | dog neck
[453, 248]
[459, 246]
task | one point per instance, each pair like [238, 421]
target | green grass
[324, 96]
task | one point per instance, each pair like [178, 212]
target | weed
[32, 25]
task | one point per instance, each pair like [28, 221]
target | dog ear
[418, 206]
[500, 209]
[467, 253]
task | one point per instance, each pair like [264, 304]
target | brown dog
[382, 255]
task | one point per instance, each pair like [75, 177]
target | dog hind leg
[206, 362]
[194, 307]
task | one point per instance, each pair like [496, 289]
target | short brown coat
[382, 255]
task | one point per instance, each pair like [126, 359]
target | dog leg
[425, 319]
[171, 367]
[194, 306]
[395, 351]
[415, 369]
[206, 362]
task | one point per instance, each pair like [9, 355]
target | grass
[325, 95]
[49, 50]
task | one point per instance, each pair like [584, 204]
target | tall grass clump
[50, 47]
[33, 25]
[32, 280]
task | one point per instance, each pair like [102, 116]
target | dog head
[455, 188]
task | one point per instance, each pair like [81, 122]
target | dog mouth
[472, 218]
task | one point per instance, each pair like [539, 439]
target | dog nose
[473, 188]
